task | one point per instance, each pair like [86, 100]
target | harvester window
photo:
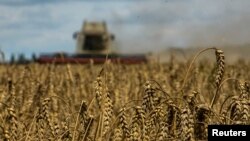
[94, 42]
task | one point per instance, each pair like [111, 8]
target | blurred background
[40, 26]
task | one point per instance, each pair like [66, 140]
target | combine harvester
[93, 45]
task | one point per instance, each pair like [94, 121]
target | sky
[140, 26]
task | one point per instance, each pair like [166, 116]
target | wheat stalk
[149, 94]
[186, 125]
[107, 113]
[202, 119]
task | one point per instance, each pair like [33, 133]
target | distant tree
[33, 57]
[21, 58]
[2, 55]
[12, 59]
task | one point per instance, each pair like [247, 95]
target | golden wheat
[151, 101]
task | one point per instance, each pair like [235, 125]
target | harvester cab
[93, 38]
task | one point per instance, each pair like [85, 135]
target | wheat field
[144, 102]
